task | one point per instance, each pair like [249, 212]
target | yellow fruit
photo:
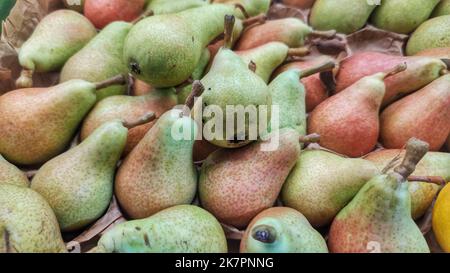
[441, 219]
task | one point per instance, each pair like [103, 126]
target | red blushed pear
[103, 12]
[348, 122]
[420, 72]
[424, 115]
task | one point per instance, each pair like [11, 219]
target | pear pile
[362, 140]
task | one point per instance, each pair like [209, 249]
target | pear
[251, 7]
[431, 34]
[179, 229]
[420, 71]
[268, 57]
[424, 114]
[443, 8]
[348, 122]
[322, 183]
[344, 16]
[78, 184]
[100, 59]
[282, 230]
[379, 217]
[159, 172]
[439, 52]
[129, 109]
[288, 93]
[103, 12]
[10, 174]
[164, 50]
[173, 6]
[53, 115]
[56, 38]
[27, 223]
[441, 220]
[432, 164]
[402, 16]
[237, 184]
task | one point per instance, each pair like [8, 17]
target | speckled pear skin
[78, 184]
[290, 31]
[230, 82]
[289, 94]
[420, 71]
[129, 108]
[252, 7]
[158, 173]
[402, 16]
[173, 6]
[443, 8]
[378, 219]
[322, 183]
[27, 223]
[53, 115]
[266, 57]
[10, 174]
[56, 38]
[344, 16]
[100, 59]
[179, 229]
[294, 233]
[164, 50]
[432, 164]
[431, 34]
[237, 184]
[348, 123]
[424, 114]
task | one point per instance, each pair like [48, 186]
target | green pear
[288, 93]
[100, 59]
[252, 7]
[443, 8]
[268, 57]
[282, 230]
[78, 185]
[39, 123]
[10, 174]
[56, 38]
[179, 229]
[431, 34]
[159, 172]
[344, 16]
[322, 183]
[402, 16]
[173, 6]
[432, 164]
[379, 218]
[164, 50]
[129, 108]
[27, 223]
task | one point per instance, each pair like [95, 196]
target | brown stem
[26, 79]
[180, 87]
[415, 151]
[298, 52]
[242, 8]
[260, 19]
[327, 66]
[148, 117]
[399, 68]
[145, 14]
[312, 138]
[228, 31]
[252, 66]
[117, 80]
[265, 234]
[428, 179]
[323, 34]
[197, 91]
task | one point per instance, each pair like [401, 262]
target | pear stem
[117, 80]
[298, 52]
[228, 31]
[26, 79]
[260, 19]
[252, 66]
[242, 8]
[312, 138]
[180, 87]
[148, 117]
[265, 234]
[399, 68]
[328, 34]
[145, 14]
[415, 151]
[327, 66]
[428, 179]
[197, 91]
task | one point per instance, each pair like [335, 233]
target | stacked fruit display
[362, 139]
